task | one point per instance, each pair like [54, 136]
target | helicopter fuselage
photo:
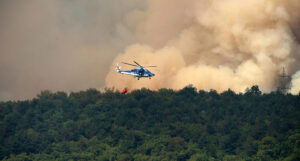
[138, 72]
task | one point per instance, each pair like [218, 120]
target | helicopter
[139, 72]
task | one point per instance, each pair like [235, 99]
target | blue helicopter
[139, 72]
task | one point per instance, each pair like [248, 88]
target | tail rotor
[118, 68]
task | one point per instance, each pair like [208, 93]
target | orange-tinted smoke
[213, 44]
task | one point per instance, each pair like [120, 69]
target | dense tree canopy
[163, 125]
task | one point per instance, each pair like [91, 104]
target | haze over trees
[163, 125]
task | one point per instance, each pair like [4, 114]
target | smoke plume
[213, 44]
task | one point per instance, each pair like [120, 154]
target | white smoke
[213, 44]
[295, 83]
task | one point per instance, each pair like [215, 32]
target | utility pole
[284, 82]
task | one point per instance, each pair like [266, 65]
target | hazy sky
[65, 45]
[72, 45]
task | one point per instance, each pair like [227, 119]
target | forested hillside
[163, 125]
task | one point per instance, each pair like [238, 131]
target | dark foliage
[163, 125]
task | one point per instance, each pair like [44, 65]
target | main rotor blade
[138, 64]
[150, 66]
[130, 64]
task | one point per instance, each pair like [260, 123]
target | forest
[146, 125]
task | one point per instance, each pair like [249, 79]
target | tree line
[146, 125]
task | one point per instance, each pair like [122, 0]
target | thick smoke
[60, 44]
[213, 44]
